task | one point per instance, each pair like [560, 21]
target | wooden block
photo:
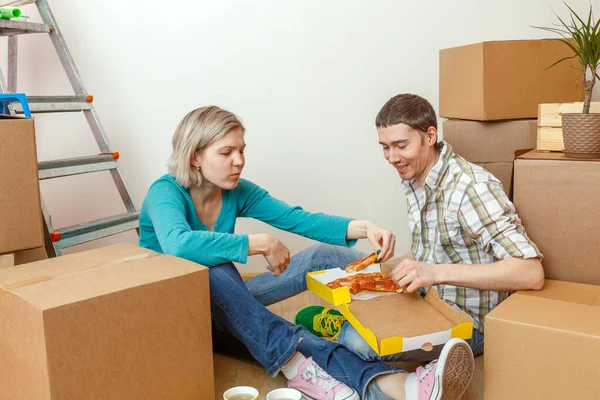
[551, 114]
[550, 139]
[7, 260]
[549, 136]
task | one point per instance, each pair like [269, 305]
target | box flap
[455, 316]
[6, 116]
[577, 293]
[47, 269]
[85, 275]
[554, 156]
[572, 316]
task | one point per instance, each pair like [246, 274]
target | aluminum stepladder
[81, 101]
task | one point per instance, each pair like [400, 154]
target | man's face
[407, 150]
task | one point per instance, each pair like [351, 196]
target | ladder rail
[61, 48]
[3, 84]
[79, 88]
[80, 101]
[12, 63]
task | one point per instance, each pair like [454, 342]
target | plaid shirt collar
[437, 173]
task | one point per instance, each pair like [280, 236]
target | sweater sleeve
[255, 202]
[166, 209]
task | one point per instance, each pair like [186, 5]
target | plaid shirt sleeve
[489, 218]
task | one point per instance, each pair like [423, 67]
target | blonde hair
[198, 129]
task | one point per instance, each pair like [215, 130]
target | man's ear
[432, 136]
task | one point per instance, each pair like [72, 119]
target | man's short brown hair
[408, 109]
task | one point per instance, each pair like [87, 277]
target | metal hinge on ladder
[81, 101]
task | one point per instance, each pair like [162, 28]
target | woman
[191, 213]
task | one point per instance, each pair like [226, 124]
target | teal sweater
[169, 223]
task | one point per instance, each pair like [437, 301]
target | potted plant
[581, 131]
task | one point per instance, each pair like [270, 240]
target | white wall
[306, 77]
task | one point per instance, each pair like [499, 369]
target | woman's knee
[223, 273]
[350, 338]
[327, 255]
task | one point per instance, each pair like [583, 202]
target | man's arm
[488, 217]
[503, 275]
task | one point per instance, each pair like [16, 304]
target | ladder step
[53, 107]
[78, 165]
[88, 231]
[10, 27]
[60, 99]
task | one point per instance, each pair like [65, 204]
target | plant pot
[581, 134]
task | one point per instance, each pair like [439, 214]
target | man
[467, 240]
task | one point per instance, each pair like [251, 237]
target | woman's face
[222, 162]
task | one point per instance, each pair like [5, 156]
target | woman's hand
[381, 239]
[275, 252]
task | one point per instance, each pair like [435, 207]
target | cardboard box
[394, 323]
[504, 172]
[544, 345]
[558, 201]
[119, 322]
[490, 142]
[506, 79]
[550, 135]
[20, 206]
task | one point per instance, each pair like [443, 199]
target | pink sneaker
[446, 378]
[316, 384]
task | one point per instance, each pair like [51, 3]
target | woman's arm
[165, 205]
[383, 241]
[256, 202]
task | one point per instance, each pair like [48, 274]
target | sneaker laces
[427, 369]
[316, 376]
[327, 323]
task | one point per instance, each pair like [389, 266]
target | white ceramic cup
[284, 394]
[239, 390]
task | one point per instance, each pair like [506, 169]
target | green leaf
[561, 60]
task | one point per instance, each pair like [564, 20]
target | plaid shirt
[461, 215]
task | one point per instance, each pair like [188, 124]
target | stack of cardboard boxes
[538, 345]
[491, 91]
[544, 344]
[118, 322]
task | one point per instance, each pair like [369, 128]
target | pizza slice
[375, 281]
[361, 264]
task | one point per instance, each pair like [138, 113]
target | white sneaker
[446, 378]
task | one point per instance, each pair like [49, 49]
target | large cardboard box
[119, 322]
[393, 323]
[20, 206]
[490, 142]
[544, 345]
[506, 79]
[558, 201]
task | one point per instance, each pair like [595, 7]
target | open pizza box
[393, 322]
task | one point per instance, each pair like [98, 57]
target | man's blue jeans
[242, 323]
